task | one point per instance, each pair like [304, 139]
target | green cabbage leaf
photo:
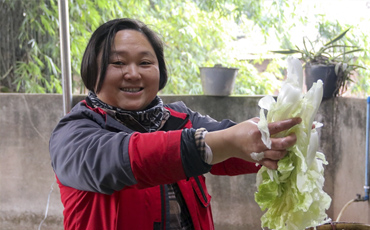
[293, 195]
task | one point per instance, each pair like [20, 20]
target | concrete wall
[26, 176]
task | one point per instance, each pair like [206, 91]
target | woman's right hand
[244, 138]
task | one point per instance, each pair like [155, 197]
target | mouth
[131, 90]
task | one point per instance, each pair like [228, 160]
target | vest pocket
[199, 187]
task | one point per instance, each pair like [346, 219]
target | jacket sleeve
[232, 166]
[88, 157]
[165, 157]
[201, 121]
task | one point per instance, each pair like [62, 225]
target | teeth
[130, 89]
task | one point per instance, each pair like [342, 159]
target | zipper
[201, 189]
[164, 207]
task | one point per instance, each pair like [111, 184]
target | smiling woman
[132, 76]
[124, 160]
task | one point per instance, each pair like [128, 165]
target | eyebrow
[142, 53]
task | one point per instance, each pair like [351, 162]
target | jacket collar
[176, 121]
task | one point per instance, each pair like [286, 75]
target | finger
[254, 120]
[275, 154]
[271, 164]
[278, 126]
[283, 143]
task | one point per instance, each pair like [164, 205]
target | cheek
[156, 78]
[156, 83]
[112, 76]
[151, 77]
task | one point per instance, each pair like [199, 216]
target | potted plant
[218, 80]
[330, 63]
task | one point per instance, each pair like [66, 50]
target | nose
[132, 72]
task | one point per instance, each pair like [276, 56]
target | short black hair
[101, 41]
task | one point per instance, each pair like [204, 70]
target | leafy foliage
[321, 29]
[330, 53]
[196, 33]
[327, 53]
[36, 70]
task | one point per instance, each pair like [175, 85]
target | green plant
[195, 32]
[331, 54]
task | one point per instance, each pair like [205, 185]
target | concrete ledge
[26, 175]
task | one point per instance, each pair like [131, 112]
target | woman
[123, 160]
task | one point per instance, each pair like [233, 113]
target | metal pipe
[65, 55]
[66, 70]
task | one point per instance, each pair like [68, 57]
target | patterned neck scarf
[151, 119]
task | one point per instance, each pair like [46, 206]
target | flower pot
[218, 80]
[326, 74]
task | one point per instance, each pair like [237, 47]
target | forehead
[133, 39]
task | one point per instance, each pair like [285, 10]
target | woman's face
[132, 77]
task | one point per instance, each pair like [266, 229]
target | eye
[146, 63]
[118, 63]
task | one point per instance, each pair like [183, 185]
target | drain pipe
[366, 186]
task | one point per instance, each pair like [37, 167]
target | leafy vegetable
[293, 194]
